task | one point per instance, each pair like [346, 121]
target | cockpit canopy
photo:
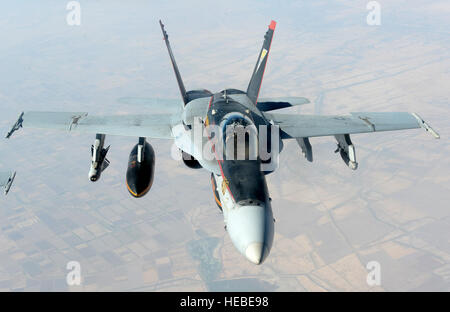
[240, 138]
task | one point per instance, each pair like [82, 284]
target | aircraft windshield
[240, 138]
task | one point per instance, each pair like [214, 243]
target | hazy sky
[330, 221]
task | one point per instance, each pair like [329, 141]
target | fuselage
[241, 183]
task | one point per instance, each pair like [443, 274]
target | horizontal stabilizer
[152, 105]
[269, 104]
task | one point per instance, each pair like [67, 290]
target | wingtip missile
[422, 123]
[9, 183]
[166, 36]
[16, 126]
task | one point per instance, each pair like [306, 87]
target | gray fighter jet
[233, 134]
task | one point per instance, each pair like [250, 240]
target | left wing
[156, 126]
[304, 126]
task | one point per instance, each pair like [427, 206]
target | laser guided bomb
[99, 161]
[141, 168]
[141, 165]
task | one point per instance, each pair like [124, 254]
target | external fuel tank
[141, 168]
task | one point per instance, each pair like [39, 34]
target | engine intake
[190, 161]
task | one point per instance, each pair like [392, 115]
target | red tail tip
[272, 25]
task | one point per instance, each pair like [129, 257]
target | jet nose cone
[255, 252]
[251, 231]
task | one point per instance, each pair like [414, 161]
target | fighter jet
[233, 134]
[6, 180]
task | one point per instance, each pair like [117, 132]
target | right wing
[304, 126]
[156, 126]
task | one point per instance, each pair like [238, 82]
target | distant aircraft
[240, 123]
[6, 180]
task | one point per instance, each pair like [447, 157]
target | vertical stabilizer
[174, 65]
[255, 82]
